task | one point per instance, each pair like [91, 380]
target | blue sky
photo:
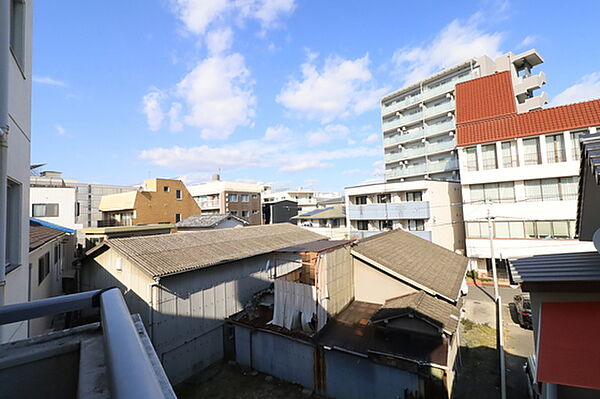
[279, 91]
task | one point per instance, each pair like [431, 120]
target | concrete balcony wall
[404, 210]
[439, 109]
[400, 105]
[426, 235]
[533, 103]
[532, 82]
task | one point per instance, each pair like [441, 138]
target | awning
[569, 352]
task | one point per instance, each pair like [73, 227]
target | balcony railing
[439, 109]
[401, 104]
[555, 156]
[131, 372]
[426, 235]
[390, 211]
[439, 128]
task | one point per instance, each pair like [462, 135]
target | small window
[56, 254]
[416, 225]
[178, 194]
[244, 198]
[255, 211]
[385, 225]
[233, 197]
[362, 225]
[44, 210]
[414, 196]
[166, 189]
[361, 200]
[245, 214]
[488, 154]
[17, 31]
[177, 217]
[384, 198]
[43, 267]
[234, 213]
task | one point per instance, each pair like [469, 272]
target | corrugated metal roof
[207, 221]
[484, 98]
[420, 262]
[579, 266]
[166, 254]
[588, 218]
[422, 305]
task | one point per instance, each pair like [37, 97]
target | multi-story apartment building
[418, 121]
[157, 201]
[520, 169]
[307, 199]
[427, 208]
[238, 199]
[86, 200]
[15, 139]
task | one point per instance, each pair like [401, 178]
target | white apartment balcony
[426, 235]
[443, 88]
[403, 136]
[439, 128]
[216, 204]
[439, 109]
[532, 82]
[390, 211]
[427, 168]
[409, 153]
[397, 106]
[403, 120]
[443, 166]
[533, 103]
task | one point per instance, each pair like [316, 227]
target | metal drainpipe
[4, 87]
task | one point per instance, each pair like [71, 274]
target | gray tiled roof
[418, 261]
[573, 267]
[422, 305]
[161, 255]
[206, 221]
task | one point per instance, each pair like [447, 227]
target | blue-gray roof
[570, 267]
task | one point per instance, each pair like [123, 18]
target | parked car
[523, 309]
[530, 371]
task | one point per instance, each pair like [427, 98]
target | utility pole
[498, 301]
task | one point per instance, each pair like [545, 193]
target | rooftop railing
[130, 370]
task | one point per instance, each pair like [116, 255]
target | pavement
[518, 342]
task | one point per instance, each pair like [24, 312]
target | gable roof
[422, 305]
[484, 98]
[532, 123]
[416, 261]
[40, 234]
[331, 212]
[207, 221]
[163, 255]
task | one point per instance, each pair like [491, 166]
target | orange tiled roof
[484, 98]
[548, 120]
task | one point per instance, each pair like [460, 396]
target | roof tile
[485, 98]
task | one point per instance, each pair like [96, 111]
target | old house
[374, 318]
[210, 221]
[185, 285]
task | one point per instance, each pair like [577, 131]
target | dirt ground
[232, 382]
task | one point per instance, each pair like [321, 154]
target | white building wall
[65, 197]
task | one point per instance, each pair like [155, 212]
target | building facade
[15, 142]
[329, 221]
[279, 211]
[418, 121]
[522, 171]
[55, 205]
[158, 201]
[307, 199]
[427, 208]
[239, 199]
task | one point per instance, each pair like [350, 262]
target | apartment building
[156, 201]
[238, 199]
[427, 208]
[418, 121]
[86, 201]
[521, 170]
[307, 199]
[15, 139]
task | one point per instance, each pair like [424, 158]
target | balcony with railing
[405, 171]
[558, 155]
[112, 358]
[439, 128]
[400, 104]
[426, 235]
[390, 211]
[403, 136]
[443, 88]
[438, 110]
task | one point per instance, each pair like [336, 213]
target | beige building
[238, 199]
[158, 201]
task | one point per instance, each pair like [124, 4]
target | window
[555, 148]
[492, 193]
[244, 198]
[472, 159]
[17, 31]
[233, 197]
[488, 155]
[177, 217]
[13, 225]
[414, 196]
[234, 213]
[255, 211]
[416, 225]
[44, 210]
[362, 225]
[561, 189]
[43, 267]
[254, 196]
[385, 225]
[384, 198]
[531, 149]
[361, 200]
[166, 189]
[178, 194]
[510, 158]
[245, 214]
[575, 143]
[56, 254]
[540, 229]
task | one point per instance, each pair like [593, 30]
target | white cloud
[60, 130]
[278, 133]
[372, 138]
[175, 124]
[327, 134]
[527, 41]
[267, 12]
[196, 15]
[218, 96]
[350, 172]
[153, 109]
[457, 42]
[341, 88]
[46, 80]
[297, 165]
[219, 40]
[586, 88]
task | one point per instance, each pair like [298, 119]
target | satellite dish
[596, 240]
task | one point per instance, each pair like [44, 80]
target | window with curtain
[533, 190]
[502, 230]
[510, 158]
[492, 194]
[575, 143]
[555, 148]
[544, 229]
[550, 190]
[472, 159]
[531, 150]
[569, 187]
[477, 195]
[560, 229]
[416, 225]
[516, 229]
[507, 191]
[488, 156]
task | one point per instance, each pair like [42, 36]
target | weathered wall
[340, 276]
[371, 285]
